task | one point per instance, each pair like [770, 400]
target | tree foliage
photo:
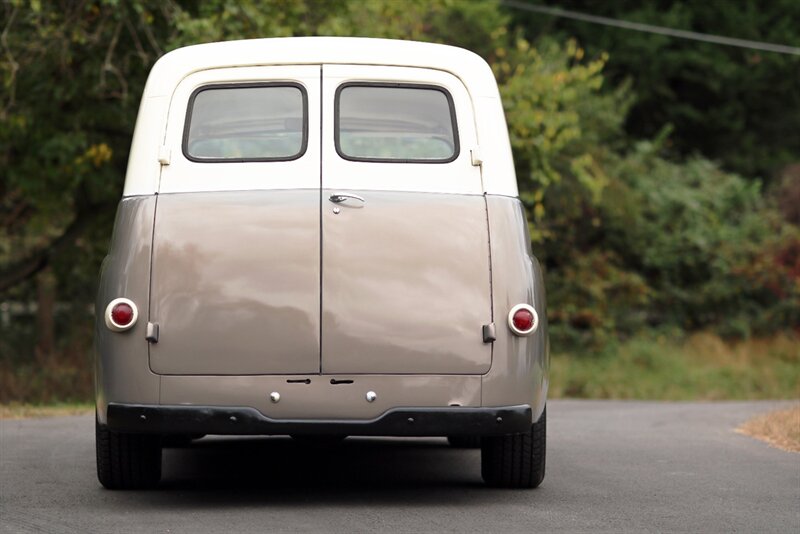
[736, 106]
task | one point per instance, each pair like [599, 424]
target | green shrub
[705, 242]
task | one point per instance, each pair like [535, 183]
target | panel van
[321, 237]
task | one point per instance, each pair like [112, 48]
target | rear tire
[515, 460]
[464, 442]
[127, 461]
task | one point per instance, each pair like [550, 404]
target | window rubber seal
[190, 108]
[450, 104]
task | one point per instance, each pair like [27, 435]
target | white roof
[170, 69]
[174, 66]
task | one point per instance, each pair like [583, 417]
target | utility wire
[649, 28]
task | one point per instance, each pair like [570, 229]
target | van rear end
[329, 245]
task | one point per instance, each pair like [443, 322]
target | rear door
[236, 248]
[405, 246]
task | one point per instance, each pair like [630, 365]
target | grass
[702, 367]
[65, 377]
[780, 428]
[51, 382]
[15, 410]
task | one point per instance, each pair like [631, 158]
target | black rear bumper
[450, 421]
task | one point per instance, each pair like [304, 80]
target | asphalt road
[612, 466]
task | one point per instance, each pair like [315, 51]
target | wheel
[515, 460]
[464, 442]
[127, 461]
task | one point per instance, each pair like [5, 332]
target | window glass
[246, 123]
[410, 123]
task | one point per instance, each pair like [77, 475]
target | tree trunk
[45, 318]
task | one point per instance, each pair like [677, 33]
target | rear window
[246, 122]
[395, 123]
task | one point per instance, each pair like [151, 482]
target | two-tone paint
[260, 286]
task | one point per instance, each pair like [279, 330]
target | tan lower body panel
[321, 399]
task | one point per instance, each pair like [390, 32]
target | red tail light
[121, 314]
[523, 320]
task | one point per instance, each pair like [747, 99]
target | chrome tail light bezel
[113, 325]
[517, 331]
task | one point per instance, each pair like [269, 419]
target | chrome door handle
[338, 198]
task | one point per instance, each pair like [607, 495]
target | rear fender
[122, 372]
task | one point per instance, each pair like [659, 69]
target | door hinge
[475, 156]
[152, 333]
[489, 333]
[164, 155]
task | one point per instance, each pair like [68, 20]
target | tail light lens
[523, 320]
[121, 314]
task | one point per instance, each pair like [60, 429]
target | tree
[736, 106]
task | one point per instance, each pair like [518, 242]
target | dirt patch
[780, 428]
[28, 411]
